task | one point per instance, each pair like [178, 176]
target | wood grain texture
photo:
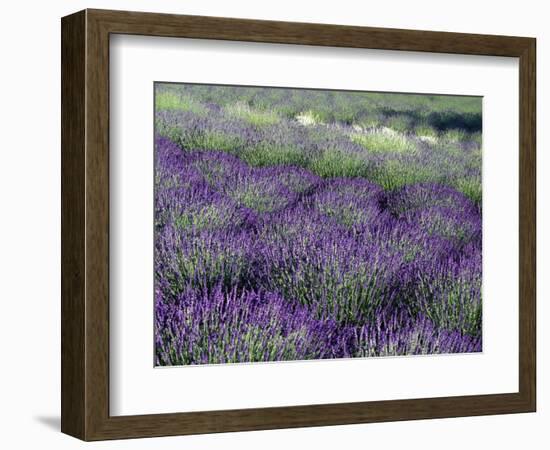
[527, 224]
[73, 109]
[85, 224]
[97, 225]
[151, 24]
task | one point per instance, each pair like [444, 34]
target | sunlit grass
[384, 142]
[425, 131]
[336, 163]
[267, 154]
[396, 174]
[172, 101]
[255, 117]
[455, 135]
[207, 140]
[309, 118]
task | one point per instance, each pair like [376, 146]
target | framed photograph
[272, 225]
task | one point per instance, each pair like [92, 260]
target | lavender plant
[296, 224]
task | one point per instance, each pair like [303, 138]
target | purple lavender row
[340, 249]
[199, 327]
[456, 163]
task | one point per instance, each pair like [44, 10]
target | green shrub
[267, 154]
[209, 140]
[384, 142]
[171, 101]
[426, 131]
[309, 118]
[455, 135]
[400, 123]
[471, 188]
[395, 174]
[255, 117]
[336, 163]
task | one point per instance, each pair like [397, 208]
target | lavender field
[297, 224]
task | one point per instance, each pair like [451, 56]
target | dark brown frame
[85, 224]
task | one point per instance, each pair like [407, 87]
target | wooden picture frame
[85, 224]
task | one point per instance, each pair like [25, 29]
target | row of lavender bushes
[289, 238]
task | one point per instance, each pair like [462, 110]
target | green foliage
[346, 214]
[403, 112]
[384, 142]
[255, 117]
[455, 135]
[471, 188]
[309, 118]
[459, 308]
[210, 262]
[254, 198]
[477, 138]
[169, 100]
[206, 217]
[208, 140]
[400, 123]
[279, 347]
[426, 131]
[336, 163]
[396, 139]
[355, 291]
[395, 174]
[266, 154]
